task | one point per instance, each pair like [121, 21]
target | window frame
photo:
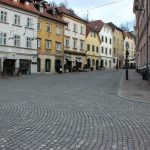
[17, 40]
[4, 17]
[50, 44]
[3, 38]
[28, 42]
[17, 20]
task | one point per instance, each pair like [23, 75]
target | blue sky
[118, 13]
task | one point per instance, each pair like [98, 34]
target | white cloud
[118, 13]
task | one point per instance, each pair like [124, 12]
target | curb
[126, 98]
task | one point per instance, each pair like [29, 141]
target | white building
[74, 39]
[106, 47]
[18, 33]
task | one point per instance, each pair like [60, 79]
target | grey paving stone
[69, 112]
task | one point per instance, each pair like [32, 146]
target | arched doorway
[38, 65]
[47, 65]
[57, 65]
[88, 63]
[102, 63]
[97, 64]
[68, 65]
[110, 64]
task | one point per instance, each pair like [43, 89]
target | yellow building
[118, 46]
[92, 48]
[50, 40]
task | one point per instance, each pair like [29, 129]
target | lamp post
[127, 54]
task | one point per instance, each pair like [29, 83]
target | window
[114, 51]
[105, 50]
[3, 16]
[81, 45]
[93, 62]
[88, 47]
[114, 60]
[74, 28]
[68, 25]
[102, 49]
[97, 49]
[29, 22]
[105, 62]
[41, 9]
[38, 26]
[58, 46]
[17, 40]
[102, 38]
[105, 39]
[38, 43]
[93, 48]
[58, 30]
[109, 41]
[82, 30]
[29, 42]
[110, 51]
[2, 38]
[74, 43]
[17, 20]
[67, 43]
[48, 28]
[48, 44]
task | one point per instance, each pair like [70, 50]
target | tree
[63, 4]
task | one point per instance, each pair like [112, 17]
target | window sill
[67, 29]
[16, 25]
[75, 31]
[4, 22]
[29, 28]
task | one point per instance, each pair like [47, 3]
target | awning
[79, 60]
[68, 58]
[131, 62]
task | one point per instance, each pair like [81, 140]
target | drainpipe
[147, 68]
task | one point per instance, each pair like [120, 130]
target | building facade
[106, 46]
[92, 48]
[130, 39]
[74, 39]
[50, 41]
[141, 9]
[118, 46]
[18, 47]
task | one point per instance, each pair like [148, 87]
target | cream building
[74, 39]
[130, 39]
[92, 48]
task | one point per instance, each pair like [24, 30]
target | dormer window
[16, 1]
[41, 9]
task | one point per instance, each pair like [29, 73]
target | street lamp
[127, 54]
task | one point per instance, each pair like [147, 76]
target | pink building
[141, 9]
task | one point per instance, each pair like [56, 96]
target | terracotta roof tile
[63, 10]
[89, 29]
[19, 5]
[96, 25]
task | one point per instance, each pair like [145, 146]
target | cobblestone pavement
[74, 111]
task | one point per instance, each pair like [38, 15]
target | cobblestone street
[72, 111]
